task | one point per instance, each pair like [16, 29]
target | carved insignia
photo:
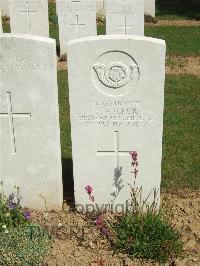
[114, 75]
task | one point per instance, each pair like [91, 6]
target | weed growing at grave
[21, 241]
[147, 236]
[148, 18]
[26, 245]
[143, 232]
[11, 214]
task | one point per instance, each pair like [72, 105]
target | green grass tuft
[179, 40]
[180, 168]
[147, 236]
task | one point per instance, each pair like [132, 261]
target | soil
[178, 22]
[178, 65]
[78, 241]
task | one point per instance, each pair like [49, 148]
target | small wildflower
[89, 190]
[4, 226]
[133, 155]
[6, 231]
[134, 162]
[101, 226]
[27, 215]
[11, 202]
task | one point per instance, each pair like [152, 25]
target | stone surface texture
[125, 17]
[29, 17]
[149, 7]
[76, 19]
[30, 154]
[4, 6]
[101, 7]
[116, 107]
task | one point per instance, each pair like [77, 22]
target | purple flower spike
[11, 202]
[27, 215]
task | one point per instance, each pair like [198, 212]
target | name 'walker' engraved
[116, 113]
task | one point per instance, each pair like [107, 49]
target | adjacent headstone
[29, 17]
[30, 154]
[149, 7]
[101, 8]
[116, 107]
[77, 18]
[4, 6]
[1, 28]
[124, 17]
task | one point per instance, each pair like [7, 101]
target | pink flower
[100, 224]
[133, 155]
[89, 190]
[99, 221]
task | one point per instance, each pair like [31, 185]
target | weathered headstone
[149, 7]
[116, 107]
[124, 17]
[30, 154]
[29, 17]
[77, 18]
[4, 7]
[101, 7]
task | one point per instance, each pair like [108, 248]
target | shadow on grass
[68, 180]
[183, 8]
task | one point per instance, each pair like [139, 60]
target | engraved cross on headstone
[125, 26]
[77, 24]
[11, 117]
[28, 12]
[116, 152]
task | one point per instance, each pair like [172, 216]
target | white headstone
[149, 7]
[116, 106]
[1, 28]
[29, 17]
[76, 18]
[101, 7]
[4, 7]
[30, 154]
[124, 17]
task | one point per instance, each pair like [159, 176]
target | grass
[181, 130]
[64, 115]
[178, 9]
[179, 40]
[175, 37]
[181, 133]
[147, 236]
